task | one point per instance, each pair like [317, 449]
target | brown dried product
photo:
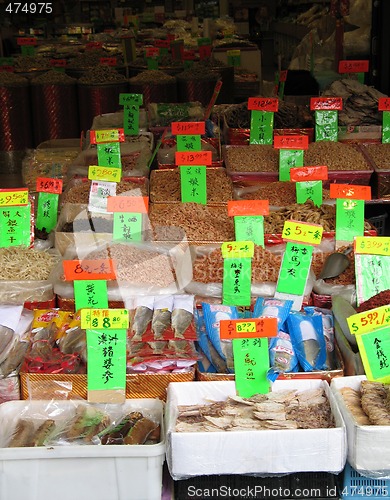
[253, 158]
[153, 76]
[352, 400]
[197, 222]
[91, 58]
[53, 77]
[374, 402]
[79, 193]
[380, 153]
[345, 278]
[31, 63]
[165, 185]
[335, 155]
[378, 300]
[197, 72]
[8, 79]
[99, 75]
[277, 193]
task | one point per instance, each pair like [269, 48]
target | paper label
[237, 249]
[261, 130]
[372, 275]
[326, 128]
[195, 158]
[291, 141]
[131, 119]
[248, 328]
[251, 363]
[127, 226]
[109, 155]
[326, 103]
[188, 128]
[104, 319]
[311, 190]
[98, 269]
[384, 104]
[350, 191]
[48, 185]
[113, 174]
[374, 349]
[289, 158]
[15, 196]
[128, 204]
[15, 222]
[373, 245]
[249, 228]
[109, 135]
[386, 127]
[263, 104]
[47, 211]
[90, 294]
[370, 320]
[193, 184]
[248, 207]
[188, 143]
[302, 232]
[354, 66]
[349, 219]
[309, 174]
[236, 285]
[295, 268]
[131, 99]
[100, 191]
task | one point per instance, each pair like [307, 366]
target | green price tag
[47, 211]
[360, 77]
[7, 61]
[262, 124]
[236, 286]
[249, 228]
[234, 57]
[152, 63]
[281, 90]
[188, 64]
[289, 158]
[131, 119]
[372, 275]
[326, 125]
[188, 143]
[127, 226]
[309, 190]
[193, 184]
[90, 294]
[28, 50]
[163, 51]
[295, 268]
[109, 154]
[386, 127]
[349, 219]
[15, 225]
[251, 363]
[374, 349]
[131, 99]
[106, 360]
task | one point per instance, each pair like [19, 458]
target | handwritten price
[369, 320]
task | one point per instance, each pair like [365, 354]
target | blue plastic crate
[356, 486]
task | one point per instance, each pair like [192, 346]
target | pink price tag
[354, 66]
[263, 104]
[188, 128]
[195, 158]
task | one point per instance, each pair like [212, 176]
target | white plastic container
[90, 472]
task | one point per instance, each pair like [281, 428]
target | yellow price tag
[233, 53]
[301, 232]
[109, 135]
[373, 245]
[247, 327]
[98, 173]
[368, 321]
[238, 249]
[13, 197]
[104, 319]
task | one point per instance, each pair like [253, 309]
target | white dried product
[253, 158]
[25, 264]
[335, 155]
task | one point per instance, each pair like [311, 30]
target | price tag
[47, 211]
[104, 173]
[109, 135]
[309, 174]
[350, 191]
[326, 125]
[349, 219]
[162, 44]
[93, 45]
[9, 69]
[15, 196]
[109, 155]
[311, 190]
[369, 321]
[49, 185]
[138, 204]
[261, 131]
[23, 41]
[373, 245]
[104, 319]
[251, 363]
[152, 63]
[27, 50]
[204, 47]
[249, 228]
[100, 191]
[372, 274]
[248, 207]
[283, 75]
[131, 99]
[189, 55]
[90, 294]
[291, 142]
[374, 350]
[236, 284]
[237, 249]
[193, 184]
[234, 58]
[302, 232]
[98, 269]
[15, 222]
[7, 61]
[152, 52]
[326, 103]
[127, 226]
[188, 128]
[354, 66]
[131, 119]
[188, 143]
[195, 158]
[248, 328]
[386, 127]
[289, 158]
[263, 104]
[177, 49]
[58, 63]
[384, 104]
[106, 362]
[295, 268]
[108, 61]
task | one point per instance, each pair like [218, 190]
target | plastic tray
[356, 486]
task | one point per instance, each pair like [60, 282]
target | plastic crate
[379, 222]
[364, 488]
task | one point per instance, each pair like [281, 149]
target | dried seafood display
[277, 193]
[253, 158]
[380, 153]
[347, 277]
[22, 264]
[336, 156]
[286, 409]
[79, 192]
[370, 405]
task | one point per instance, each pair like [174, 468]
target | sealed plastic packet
[162, 315]
[182, 314]
[328, 329]
[282, 356]
[274, 308]
[143, 314]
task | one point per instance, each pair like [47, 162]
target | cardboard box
[250, 452]
[368, 445]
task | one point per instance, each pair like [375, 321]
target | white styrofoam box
[91, 472]
[250, 452]
[368, 445]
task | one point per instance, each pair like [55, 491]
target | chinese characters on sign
[349, 219]
[15, 224]
[372, 275]
[289, 158]
[109, 155]
[47, 211]
[90, 294]
[193, 184]
[127, 226]
[295, 268]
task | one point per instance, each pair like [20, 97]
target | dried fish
[14, 359]
[181, 320]
[142, 317]
[6, 336]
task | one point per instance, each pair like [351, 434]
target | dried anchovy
[8, 79]
[100, 75]
[154, 76]
[335, 155]
[53, 77]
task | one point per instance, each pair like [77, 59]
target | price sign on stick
[359, 67]
[372, 275]
[326, 117]
[128, 216]
[295, 268]
[291, 148]
[131, 104]
[110, 174]
[309, 183]
[15, 225]
[262, 119]
[188, 143]
[188, 128]
[90, 294]
[47, 211]
[384, 105]
[237, 272]
[373, 245]
[193, 184]
[107, 136]
[109, 155]
[249, 219]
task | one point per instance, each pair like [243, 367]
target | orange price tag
[197, 128]
[58, 63]
[263, 104]
[384, 104]
[152, 51]
[326, 103]
[350, 191]
[15, 196]
[303, 174]
[136, 204]
[49, 185]
[357, 66]
[26, 41]
[250, 328]
[248, 207]
[109, 135]
[99, 269]
[195, 158]
[291, 141]
[108, 61]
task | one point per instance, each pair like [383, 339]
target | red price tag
[94, 45]
[195, 158]
[58, 63]
[170, 36]
[263, 104]
[136, 204]
[189, 128]
[9, 69]
[303, 174]
[384, 104]
[326, 103]
[189, 55]
[291, 141]
[99, 269]
[49, 185]
[353, 66]
[250, 328]
[204, 51]
[283, 75]
[162, 44]
[27, 41]
[350, 191]
[248, 207]
[108, 61]
[152, 51]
